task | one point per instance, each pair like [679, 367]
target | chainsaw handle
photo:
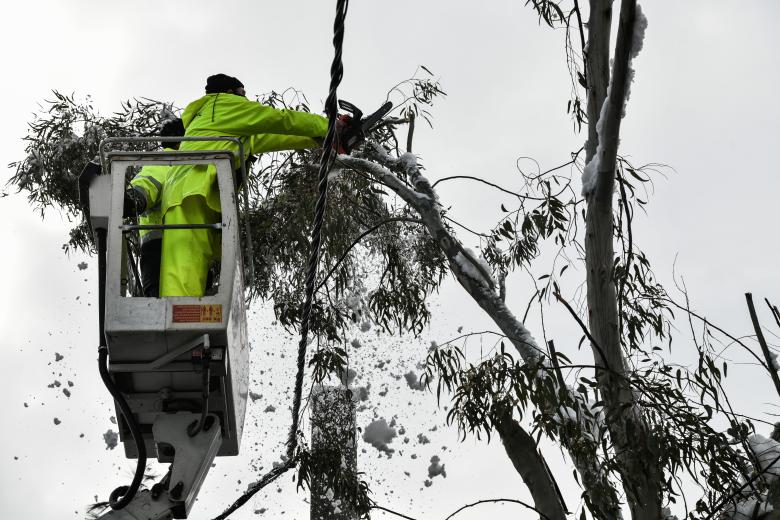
[357, 114]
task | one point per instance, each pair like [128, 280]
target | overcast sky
[703, 102]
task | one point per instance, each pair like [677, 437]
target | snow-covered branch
[421, 197]
[469, 271]
[638, 463]
[598, 178]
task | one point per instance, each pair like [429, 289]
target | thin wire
[336, 73]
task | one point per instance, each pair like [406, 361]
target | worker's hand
[135, 202]
[343, 124]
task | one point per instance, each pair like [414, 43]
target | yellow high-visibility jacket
[261, 129]
[151, 180]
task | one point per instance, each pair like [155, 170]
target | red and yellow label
[211, 313]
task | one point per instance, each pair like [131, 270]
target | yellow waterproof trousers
[188, 253]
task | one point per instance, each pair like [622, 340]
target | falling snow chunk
[773, 361]
[57, 422]
[58, 356]
[422, 439]
[269, 408]
[361, 392]
[379, 434]
[112, 419]
[427, 483]
[436, 468]
[82, 266]
[413, 381]
[110, 438]
[260, 511]
[254, 396]
[66, 392]
[348, 377]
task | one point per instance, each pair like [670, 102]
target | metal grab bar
[245, 263]
[126, 228]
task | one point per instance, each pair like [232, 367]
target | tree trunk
[634, 446]
[333, 431]
[522, 451]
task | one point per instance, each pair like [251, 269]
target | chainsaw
[356, 127]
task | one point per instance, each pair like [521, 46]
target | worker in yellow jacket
[148, 183]
[191, 195]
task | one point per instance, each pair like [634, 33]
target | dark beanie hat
[221, 83]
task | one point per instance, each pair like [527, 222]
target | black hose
[196, 427]
[125, 492]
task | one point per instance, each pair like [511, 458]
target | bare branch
[761, 341]
[494, 501]
[410, 133]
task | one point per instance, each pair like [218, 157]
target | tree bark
[529, 463]
[635, 448]
[597, 66]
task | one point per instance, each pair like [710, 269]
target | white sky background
[703, 102]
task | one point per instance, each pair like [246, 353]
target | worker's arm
[239, 116]
[150, 182]
[262, 143]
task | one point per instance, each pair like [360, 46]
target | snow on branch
[473, 274]
[602, 164]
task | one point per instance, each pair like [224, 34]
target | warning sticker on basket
[197, 313]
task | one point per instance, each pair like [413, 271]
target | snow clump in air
[773, 361]
[379, 434]
[436, 468]
[413, 381]
[347, 377]
[110, 438]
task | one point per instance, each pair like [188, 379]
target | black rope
[331, 104]
[336, 73]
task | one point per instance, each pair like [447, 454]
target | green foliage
[66, 134]
[62, 138]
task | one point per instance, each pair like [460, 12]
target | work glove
[135, 202]
[345, 139]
